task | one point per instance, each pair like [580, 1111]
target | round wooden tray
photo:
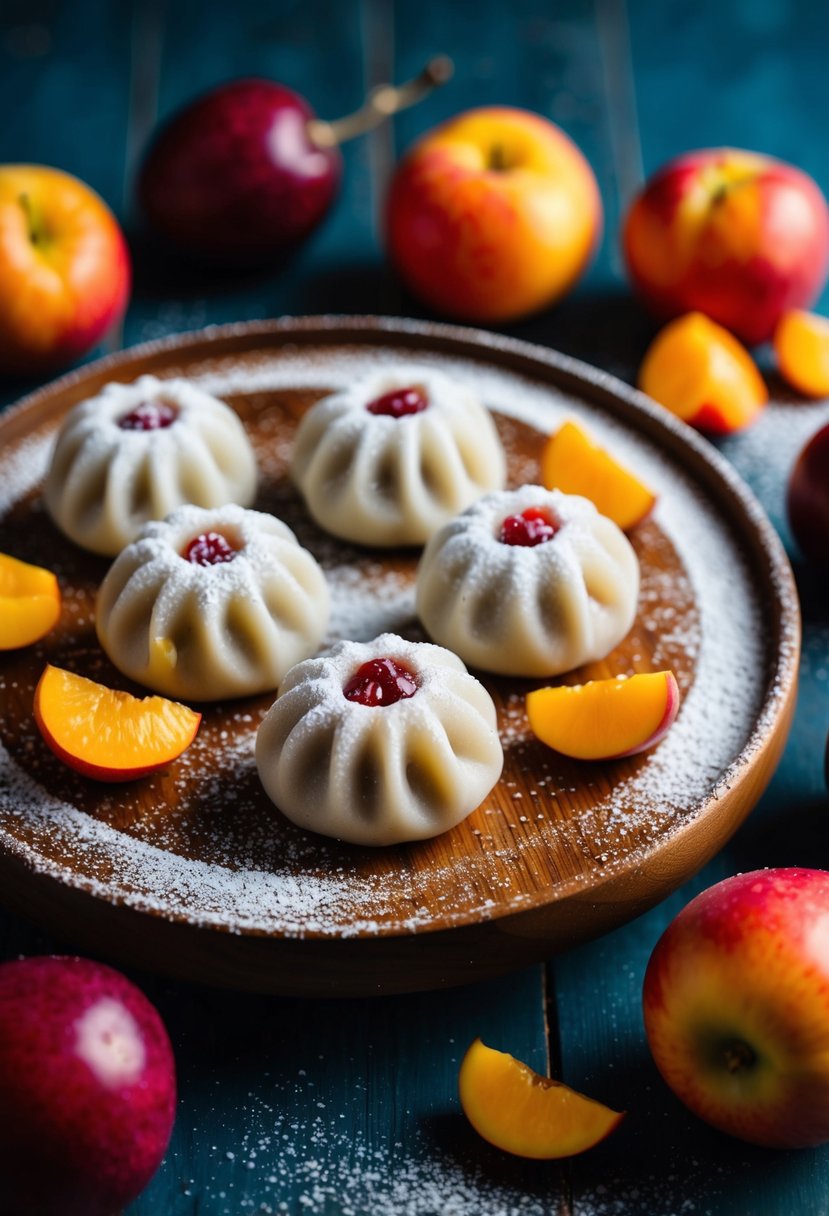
[195, 873]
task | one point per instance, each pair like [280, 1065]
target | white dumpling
[538, 610]
[206, 632]
[105, 482]
[379, 774]
[382, 480]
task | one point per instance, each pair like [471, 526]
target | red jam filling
[399, 402]
[532, 527]
[209, 549]
[152, 415]
[380, 682]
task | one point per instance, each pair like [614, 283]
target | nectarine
[701, 373]
[801, 343]
[29, 602]
[605, 719]
[107, 734]
[572, 462]
[526, 1114]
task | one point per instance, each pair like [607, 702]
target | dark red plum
[87, 1088]
[808, 498]
[235, 178]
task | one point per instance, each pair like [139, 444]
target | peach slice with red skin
[29, 602]
[573, 463]
[701, 373]
[107, 734]
[801, 343]
[526, 1114]
[605, 719]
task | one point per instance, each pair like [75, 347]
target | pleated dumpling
[209, 604]
[528, 582]
[342, 753]
[391, 458]
[138, 451]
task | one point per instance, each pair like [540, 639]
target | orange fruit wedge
[106, 734]
[526, 1114]
[605, 719]
[701, 373]
[801, 343]
[573, 463]
[29, 602]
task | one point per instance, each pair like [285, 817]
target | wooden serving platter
[195, 873]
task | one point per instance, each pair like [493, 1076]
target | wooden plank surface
[348, 1108]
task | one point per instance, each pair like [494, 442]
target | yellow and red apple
[107, 734]
[736, 1005]
[738, 236]
[64, 269]
[527, 1114]
[492, 215]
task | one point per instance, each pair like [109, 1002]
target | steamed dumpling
[380, 773]
[529, 609]
[228, 628]
[384, 472]
[136, 452]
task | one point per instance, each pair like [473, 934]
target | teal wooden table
[349, 1108]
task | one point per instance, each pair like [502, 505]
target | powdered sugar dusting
[280, 881]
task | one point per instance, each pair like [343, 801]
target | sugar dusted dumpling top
[389, 459]
[379, 742]
[528, 582]
[209, 604]
[138, 451]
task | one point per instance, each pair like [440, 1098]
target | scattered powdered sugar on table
[715, 732]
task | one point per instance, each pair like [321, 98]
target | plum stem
[381, 103]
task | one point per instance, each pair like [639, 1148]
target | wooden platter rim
[769, 560]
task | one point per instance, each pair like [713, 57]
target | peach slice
[701, 373]
[106, 734]
[526, 1114]
[572, 462]
[29, 602]
[801, 343]
[605, 719]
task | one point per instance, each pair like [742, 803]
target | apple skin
[65, 271]
[738, 236]
[807, 500]
[87, 1088]
[736, 1006]
[492, 215]
[234, 178]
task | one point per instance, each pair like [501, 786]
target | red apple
[736, 1004]
[64, 269]
[735, 235]
[87, 1088]
[493, 215]
[235, 176]
[808, 498]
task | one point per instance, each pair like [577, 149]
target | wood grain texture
[539, 866]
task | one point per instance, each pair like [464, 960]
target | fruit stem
[26, 204]
[385, 100]
[738, 1055]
